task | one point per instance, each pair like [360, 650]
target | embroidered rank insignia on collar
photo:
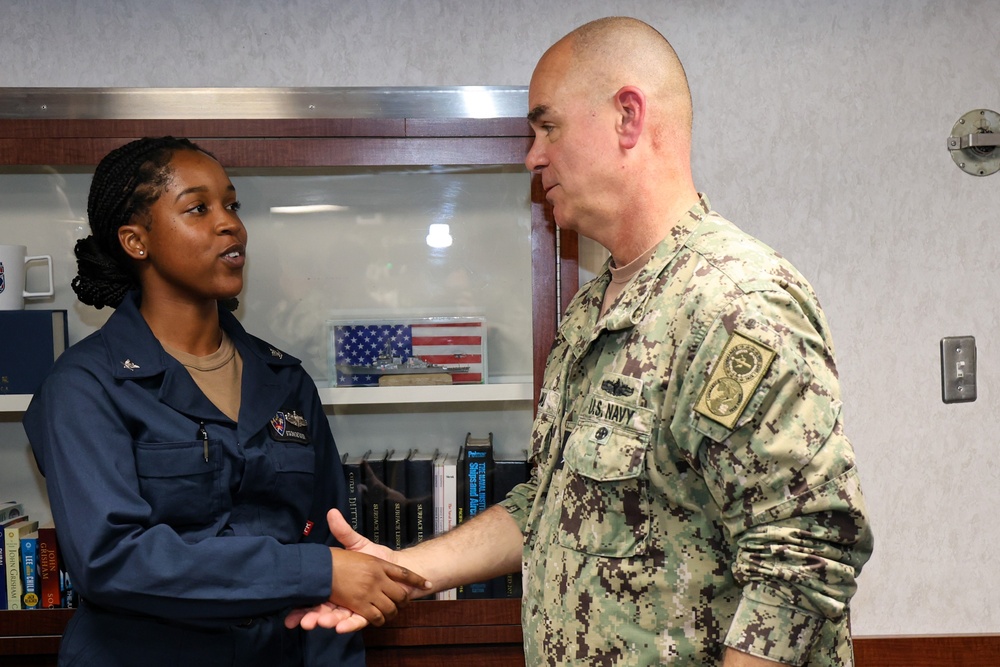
[741, 367]
[129, 366]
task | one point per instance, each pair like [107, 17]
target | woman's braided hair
[126, 183]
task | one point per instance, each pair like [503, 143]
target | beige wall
[820, 126]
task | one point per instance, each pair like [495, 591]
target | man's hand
[368, 585]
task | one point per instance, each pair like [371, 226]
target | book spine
[3, 576]
[12, 562]
[419, 499]
[29, 572]
[70, 600]
[353, 480]
[48, 569]
[374, 500]
[507, 473]
[476, 477]
[438, 495]
[395, 501]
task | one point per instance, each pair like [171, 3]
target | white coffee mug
[14, 260]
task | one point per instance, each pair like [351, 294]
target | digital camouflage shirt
[692, 487]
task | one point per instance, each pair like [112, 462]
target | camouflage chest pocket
[181, 488]
[605, 504]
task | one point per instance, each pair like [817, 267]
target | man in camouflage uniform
[693, 498]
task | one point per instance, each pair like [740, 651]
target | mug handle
[48, 260]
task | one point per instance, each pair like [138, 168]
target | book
[12, 534]
[29, 571]
[438, 468]
[48, 568]
[419, 496]
[10, 510]
[30, 342]
[507, 473]
[70, 599]
[449, 508]
[476, 477]
[373, 498]
[354, 479]
[15, 519]
[395, 499]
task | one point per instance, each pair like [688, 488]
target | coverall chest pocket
[605, 503]
[182, 489]
[295, 467]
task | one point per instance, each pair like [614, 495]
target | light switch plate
[958, 369]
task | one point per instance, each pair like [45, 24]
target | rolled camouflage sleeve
[771, 448]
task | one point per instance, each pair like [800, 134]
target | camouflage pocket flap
[604, 453]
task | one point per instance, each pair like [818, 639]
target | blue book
[30, 342]
[29, 571]
[477, 478]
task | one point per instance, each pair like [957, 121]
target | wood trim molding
[927, 651]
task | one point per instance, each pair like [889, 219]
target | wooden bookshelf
[428, 633]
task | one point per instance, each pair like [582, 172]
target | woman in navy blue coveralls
[188, 533]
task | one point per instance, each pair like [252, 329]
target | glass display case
[362, 205]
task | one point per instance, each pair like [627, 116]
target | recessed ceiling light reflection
[308, 208]
[439, 236]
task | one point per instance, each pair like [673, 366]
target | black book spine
[420, 496]
[374, 500]
[355, 503]
[395, 500]
[507, 473]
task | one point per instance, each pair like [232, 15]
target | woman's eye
[197, 208]
[235, 207]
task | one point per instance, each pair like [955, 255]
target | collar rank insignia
[741, 368]
[617, 388]
[277, 353]
[129, 366]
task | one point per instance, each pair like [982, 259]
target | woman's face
[195, 244]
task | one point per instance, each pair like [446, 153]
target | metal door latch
[974, 140]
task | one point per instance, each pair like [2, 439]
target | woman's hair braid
[126, 183]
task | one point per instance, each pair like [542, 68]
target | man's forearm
[487, 546]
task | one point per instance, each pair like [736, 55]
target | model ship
[387, 363]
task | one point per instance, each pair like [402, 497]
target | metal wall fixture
[974, 143]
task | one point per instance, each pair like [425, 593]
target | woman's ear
[631, 107]
[131, 239]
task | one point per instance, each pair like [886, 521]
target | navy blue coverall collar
[135, 354]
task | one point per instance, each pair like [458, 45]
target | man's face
[572, 136]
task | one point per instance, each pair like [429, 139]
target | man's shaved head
[612, 52]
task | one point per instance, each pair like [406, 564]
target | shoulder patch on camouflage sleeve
[735, 378]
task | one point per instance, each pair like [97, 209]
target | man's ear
[131, 239]
[631, 106]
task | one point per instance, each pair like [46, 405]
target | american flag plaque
[364, 353]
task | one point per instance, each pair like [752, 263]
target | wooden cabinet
[306, 133]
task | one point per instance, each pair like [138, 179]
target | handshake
[370, 584]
